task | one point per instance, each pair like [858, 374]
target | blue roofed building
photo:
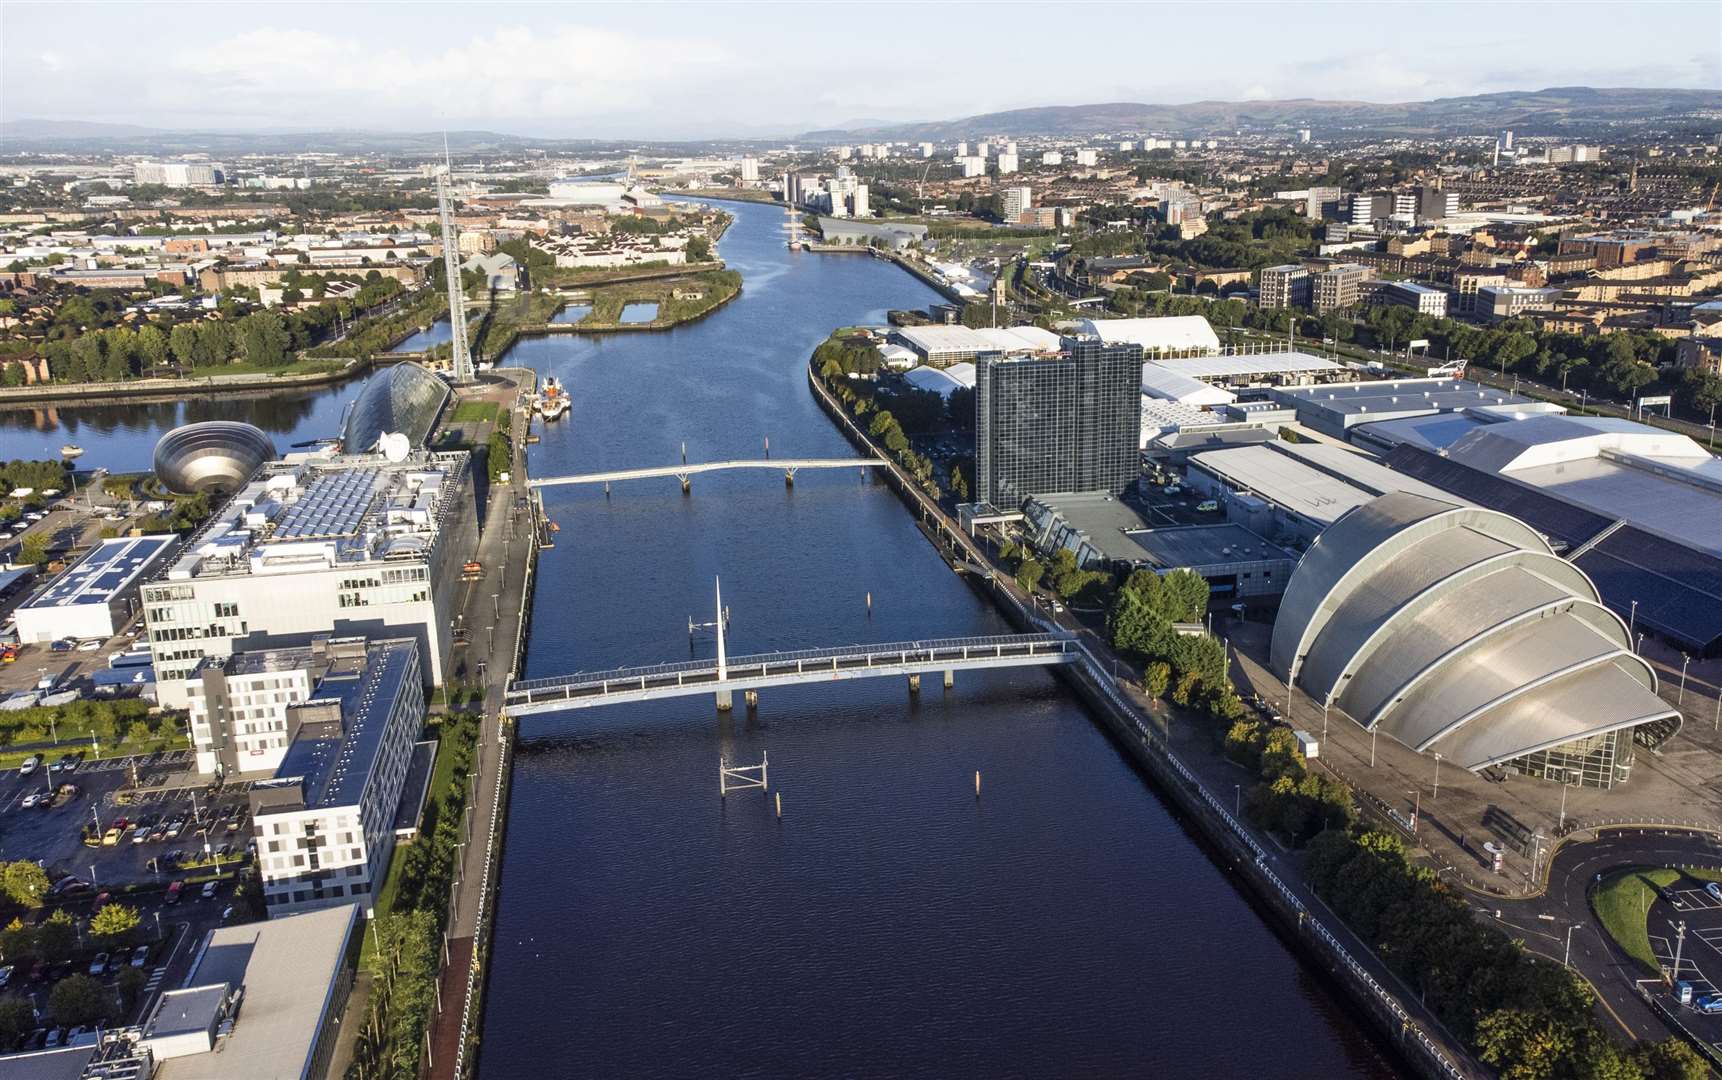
[97, 594]
[324, 823]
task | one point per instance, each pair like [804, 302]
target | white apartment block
[1052, 157]
[1008, 163]
[1088, 157]
[749, 170]
[325, 823]
[972, 166]
[1013, 201]
[238, 706]
[318, 545]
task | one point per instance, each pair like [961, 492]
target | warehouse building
[1168, 335]
[1336, 408]
[97, 595]
[319, 545]
[1294, 491]
[1459, 632]
[325, 823]
[1104, 533]
[1266, 367]
[944, 345]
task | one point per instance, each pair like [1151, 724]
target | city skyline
[750, 70]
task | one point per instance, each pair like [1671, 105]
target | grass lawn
[475, 412]
[1622, 904]
[11, 759]
[442, 774]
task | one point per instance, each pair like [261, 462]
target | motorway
[1543, 921]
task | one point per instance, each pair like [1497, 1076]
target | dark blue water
[890, 924]
[571, 313]
[638, 312]
[121, 435]
[438, 333]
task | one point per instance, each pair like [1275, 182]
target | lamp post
[1568, 959]
[1416, 807]
[1632, 621]
[1436, 794]
[1324, 705]
[1685, 661]
[1237, 800]
[1372, 748]
[1566, 784]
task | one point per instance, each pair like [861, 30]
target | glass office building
[1069, 423]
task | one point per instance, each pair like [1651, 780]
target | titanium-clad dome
[404, 398]
[1457, 631]
[215, 455]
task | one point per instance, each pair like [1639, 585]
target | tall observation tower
[460, 356]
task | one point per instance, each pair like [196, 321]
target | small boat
[553, 408]
[71, 450]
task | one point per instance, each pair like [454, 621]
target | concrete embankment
[176, 389]
[1267, 878]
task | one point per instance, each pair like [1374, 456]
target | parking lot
[1688, 901]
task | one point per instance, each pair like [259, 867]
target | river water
[891, 923]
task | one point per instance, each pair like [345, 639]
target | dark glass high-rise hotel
[1057, 424]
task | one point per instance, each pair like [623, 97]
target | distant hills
[1566, 111]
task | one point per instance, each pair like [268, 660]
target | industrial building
[318, 545]
[325, 823]
[293, 977]
[1065, 423]
[1294, 491]
[1638, 509]
[1104, 533]
[944, 345]
[1458, 632]
[1335, 409]
[1170, 335]
[97, 595]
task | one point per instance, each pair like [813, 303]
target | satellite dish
[395, 446]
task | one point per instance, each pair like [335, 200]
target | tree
[1156, 678]
[24, 882]
[262, 339]
[1028, 575]
[57, 936]
[1524, 1045]
[34, 549]
[699, 249]
[16, 940]
[152, 348]
[78, 1000]
[183, 342]
[17, 1018]
[114, 923]
[1670, 1059]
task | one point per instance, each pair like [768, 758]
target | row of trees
[405, 961]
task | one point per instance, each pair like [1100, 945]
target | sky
[709, 70]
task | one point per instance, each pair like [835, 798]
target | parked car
[34, 799]
[5, 975]
[173, 892]
[1715, 891]
[100, 964]
[140, 956]
[112, 836]
[1708, 1003]
[89, 646]
[210, 888]
[30, 765]
[174, 828]
[63, 645]
[1207, 506]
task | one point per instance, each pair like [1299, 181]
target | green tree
[1028, 575]
[57, 936]
[16, 940]
[17, 1018]
[152, 348]
[1670, 1059]
[1156, 678]
[78, 1000]
[34, 549]
[262, 339]
[1523, 1045]
[183, 341]
[699, 249]
[24, 882]
[114, 924]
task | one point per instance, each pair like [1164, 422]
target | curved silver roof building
[215, 455]
[404, 398]
[1457, 631]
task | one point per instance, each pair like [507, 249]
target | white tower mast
[460, 357]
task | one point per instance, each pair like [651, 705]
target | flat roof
[288, 967]
[1206, 545]
[192, 1011]
[334, 771]
[62, 1063]
[1396, 397]
[1315, 480]
[1233, 367]
[103, 573]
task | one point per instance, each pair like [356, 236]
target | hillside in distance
[1565, 111]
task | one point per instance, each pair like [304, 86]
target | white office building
[364, 545]
[97, 595]
[325, 823]
[749, 170]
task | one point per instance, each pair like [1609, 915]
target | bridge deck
[787, 465]
[586, 689]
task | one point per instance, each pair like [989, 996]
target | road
[1543, 921]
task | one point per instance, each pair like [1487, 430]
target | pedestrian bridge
[685, 472]
[722, 676]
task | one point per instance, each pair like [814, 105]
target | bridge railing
[922, 649]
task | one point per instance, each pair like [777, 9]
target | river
[891, 923]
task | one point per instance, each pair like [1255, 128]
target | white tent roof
[1168, 333]
[1168, 385]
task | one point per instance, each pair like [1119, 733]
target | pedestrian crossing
[154, 981]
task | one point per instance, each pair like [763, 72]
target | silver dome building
[215, 455]
[404, 398]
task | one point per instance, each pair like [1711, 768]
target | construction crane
[921, 191]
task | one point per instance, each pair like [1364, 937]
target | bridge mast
[724, 703]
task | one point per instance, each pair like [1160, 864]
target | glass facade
[1070, 423]
[405, 398]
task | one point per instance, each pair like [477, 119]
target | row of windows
[359, 599]
[162, 594]
[191, 633]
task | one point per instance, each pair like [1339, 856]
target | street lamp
[1568, 959]
[1685, 660]
[1416, 807]
[1565, 785]
[1436, 794]
[1632, 620]
[1372, 747]
[1237, 800]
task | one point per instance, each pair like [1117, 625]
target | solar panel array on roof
[334, 504]
[1556, 518]
[106, 570]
